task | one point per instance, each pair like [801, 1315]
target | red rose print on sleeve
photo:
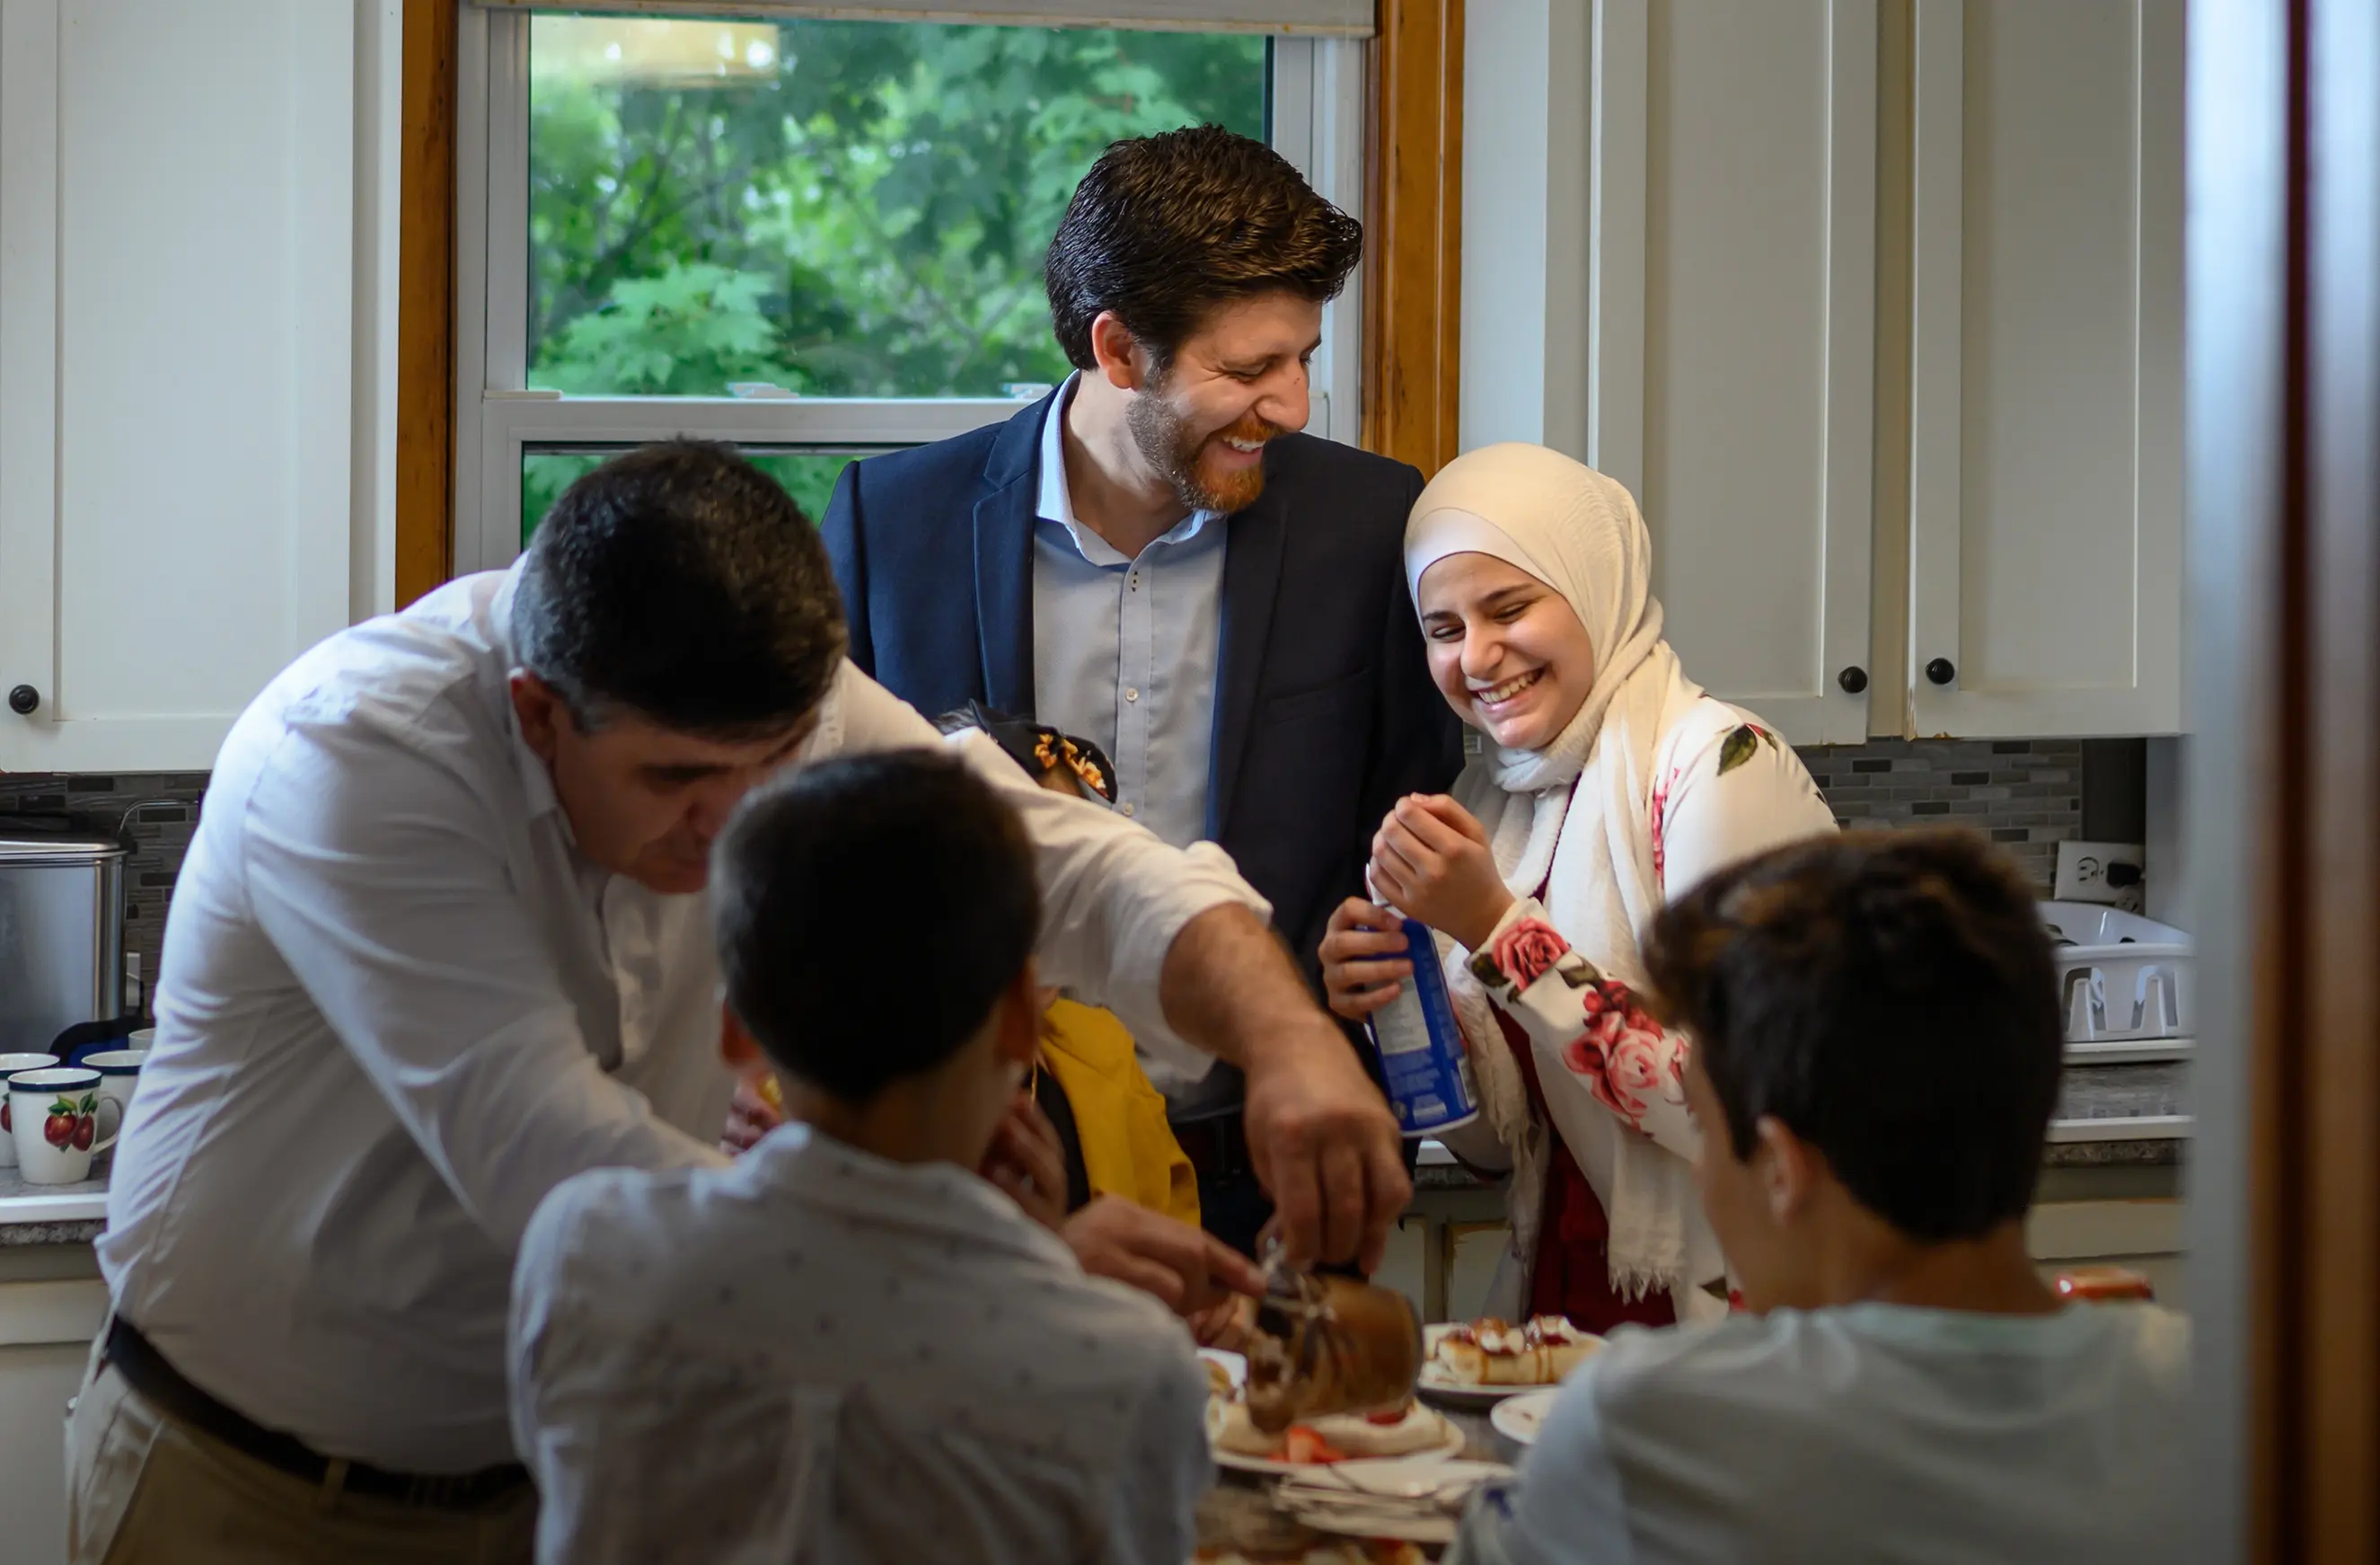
[1527, 951]
[1622, 1056]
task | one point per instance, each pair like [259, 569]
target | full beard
[1177, 452]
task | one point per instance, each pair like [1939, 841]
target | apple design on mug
[71, 1123]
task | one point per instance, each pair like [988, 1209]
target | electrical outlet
[2100, 872]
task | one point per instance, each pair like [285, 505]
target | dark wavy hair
[868, 912]
[681, 583]
[1890, 997]
[1164, 228]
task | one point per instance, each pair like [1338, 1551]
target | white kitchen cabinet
[1732, 261]
[52, 1304]
[1732, 205]
[192, 417]
[2046, 378]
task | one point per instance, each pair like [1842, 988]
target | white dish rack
[2125, 984]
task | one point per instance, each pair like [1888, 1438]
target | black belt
[146, 1371]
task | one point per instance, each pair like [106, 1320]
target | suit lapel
[1252, 562]
[1003, 563]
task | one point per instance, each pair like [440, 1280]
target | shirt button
[1131, 692]
[1128, 811]
[1134, 580]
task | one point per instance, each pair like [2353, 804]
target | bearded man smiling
[1156, 559]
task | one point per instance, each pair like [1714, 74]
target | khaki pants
[142, 1486]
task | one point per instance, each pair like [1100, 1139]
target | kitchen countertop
[2106, 1114]
[32, 1214]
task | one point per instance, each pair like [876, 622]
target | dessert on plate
[1400, 1431]
[1487, 1351]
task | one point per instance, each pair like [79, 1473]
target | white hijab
[1590, 845]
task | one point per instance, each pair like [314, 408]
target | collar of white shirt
[1056, 504]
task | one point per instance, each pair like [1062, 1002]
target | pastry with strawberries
[1489, 1351]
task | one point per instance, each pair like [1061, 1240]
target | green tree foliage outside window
[807, 476]
[848, 209]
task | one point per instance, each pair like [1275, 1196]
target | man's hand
[1189, 1270]
[1027, 1162]
[750, 1117]
[1323, 1141]
[1431, 859]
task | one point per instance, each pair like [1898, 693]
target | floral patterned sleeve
[1597, 1026]
[1726, 790]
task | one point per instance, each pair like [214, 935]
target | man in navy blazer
[1155, 558]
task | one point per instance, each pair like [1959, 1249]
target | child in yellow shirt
[1109, 1117]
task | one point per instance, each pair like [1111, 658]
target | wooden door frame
[2284, 354]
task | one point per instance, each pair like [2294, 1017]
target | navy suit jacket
[1325, 713]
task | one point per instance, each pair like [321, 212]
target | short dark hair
[1891, 998]
[681, 583]
[1163, 228]
[868, 911]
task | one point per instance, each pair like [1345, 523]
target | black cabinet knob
[1853, 680]
[1942, 670]
[24, 701]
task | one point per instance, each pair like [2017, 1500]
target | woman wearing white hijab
[1610, 784]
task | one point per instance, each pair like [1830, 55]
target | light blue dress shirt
[1125, 650]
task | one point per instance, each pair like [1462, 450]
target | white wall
[1525, 224]
[371, 518]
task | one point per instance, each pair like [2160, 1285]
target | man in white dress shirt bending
[848, 1349]
[439, 945]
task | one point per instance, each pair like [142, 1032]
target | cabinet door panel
[2046, 399]
[201, 220]
[1738, 405]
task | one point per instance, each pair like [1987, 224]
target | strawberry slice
[1388, 1419]
[1305, 1446]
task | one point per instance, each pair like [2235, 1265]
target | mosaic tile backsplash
[2027, 794]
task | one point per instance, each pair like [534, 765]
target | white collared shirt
[819, 1355]
[1125, 650]
[396, 1009]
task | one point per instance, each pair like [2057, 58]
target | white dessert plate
[1231, 1363]
[1451, 1443]
[1439, 1384]
[1522, 1417]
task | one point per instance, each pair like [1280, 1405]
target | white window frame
[1317, 124]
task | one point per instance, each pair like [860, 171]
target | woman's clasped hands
[1430, 861]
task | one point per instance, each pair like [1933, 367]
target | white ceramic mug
[55, 1117]
[9, 1064]
[120, 1077]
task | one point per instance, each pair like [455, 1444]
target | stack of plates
[1414, 1501]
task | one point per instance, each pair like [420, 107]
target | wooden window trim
[1411, 298]
[1413, 283]
[425, 303]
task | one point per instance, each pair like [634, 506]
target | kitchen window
[817, 238]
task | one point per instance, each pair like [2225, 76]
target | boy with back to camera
[848, 1347]
[1877, 1050]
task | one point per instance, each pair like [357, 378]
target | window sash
[1318, 19]
[1317, 124]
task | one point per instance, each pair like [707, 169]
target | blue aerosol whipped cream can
[1421, 1046]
